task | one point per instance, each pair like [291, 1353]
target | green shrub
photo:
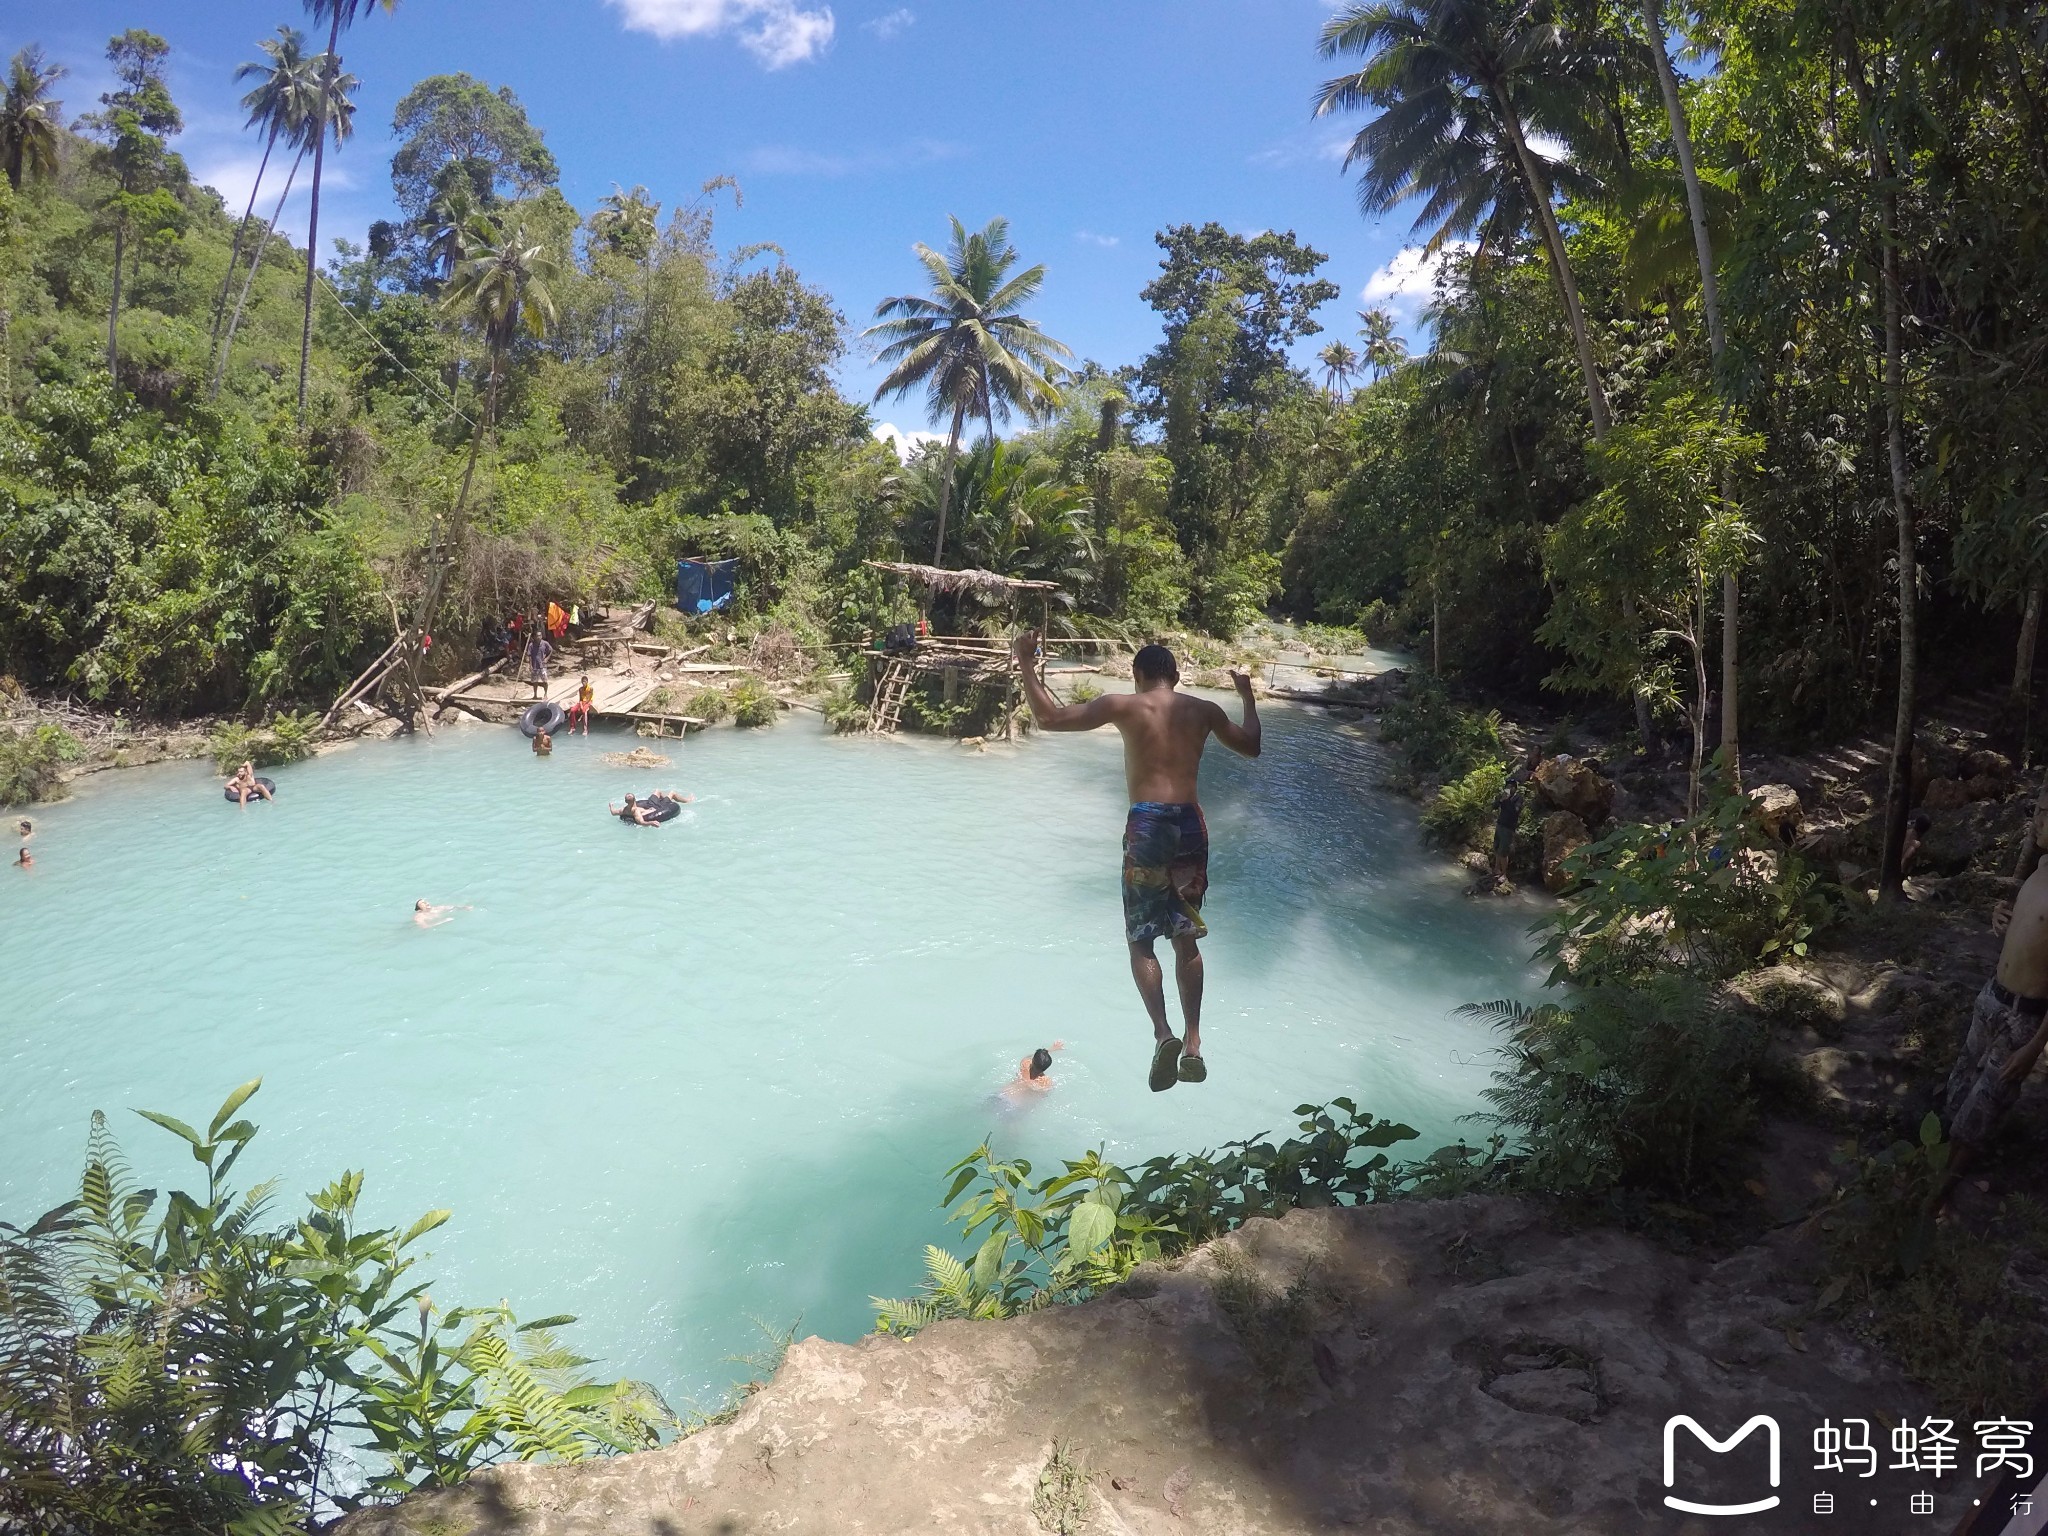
[1082, 692]
[288, 738]
[1068, 1236]
[709, 705]
[843, 709]
[189, 1362]
[1463, 812]
[1713, 895]
[1436, 738]
[1648, 1089]
[753, 704]
[32, 763]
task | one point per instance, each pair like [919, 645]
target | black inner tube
[656, 807]
[546, 715]
[228, 790]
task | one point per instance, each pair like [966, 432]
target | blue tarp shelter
[704, 586]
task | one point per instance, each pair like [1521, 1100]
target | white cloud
[887, 26]
[777, 32]
[1410, 278]
[787, 160]
[1090, 237]
[1323, 148]
[903, 444]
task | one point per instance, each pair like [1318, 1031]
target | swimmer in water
[1033, 1071]
[427, 915]
[24, 860]
[245, 783]
[26, 828]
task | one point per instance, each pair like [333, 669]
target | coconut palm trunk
[331, 70]
[1560, 265]
[227, 346]
[1717, 343]
[114, 309]
[227, 280]
[946, 480]
[1582, 337]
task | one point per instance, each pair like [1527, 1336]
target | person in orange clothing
[580, 710]
[558, 621]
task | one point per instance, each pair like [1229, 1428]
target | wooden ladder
[887, 709]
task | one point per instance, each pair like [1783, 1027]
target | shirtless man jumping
[1166, 841]
[2009, 1022]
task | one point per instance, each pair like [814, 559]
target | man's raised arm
[1048, 711]
[1241, 739]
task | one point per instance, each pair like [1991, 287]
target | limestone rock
[1562, 832]
[1413, 1394]
[1947, 794]
[1778, 806]
[1985, 763]
[1965, 834]
[1569, 784]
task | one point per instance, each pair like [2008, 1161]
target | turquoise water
[678, 1080]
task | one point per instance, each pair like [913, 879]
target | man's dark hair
[1041, 1059]
[1922, 822]
[1155, 661]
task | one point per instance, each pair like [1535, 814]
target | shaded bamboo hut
[954, 659]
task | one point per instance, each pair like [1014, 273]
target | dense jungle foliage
[1553, 489]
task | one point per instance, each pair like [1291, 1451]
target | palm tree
[1458, 87]
[29, 118]
[625, 221]
[280, 105]
[1339, 364]
[339, 119]
[452, 219]
[1384, 350]
[968, 344]
[502, 287]
[337, 14]
[1717, 343]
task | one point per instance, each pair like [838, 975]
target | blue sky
[854, 127]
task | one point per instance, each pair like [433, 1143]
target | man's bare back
[1164, 730]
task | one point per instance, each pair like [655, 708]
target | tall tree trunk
[330, 72]
[1717, 343]
[1899, 788]
[227, 346]
[114, 309]
[1898, 800]
[1560, 267]
[2022, 706]
[1582, 339]
[946, 481]
[312, 269]
[227, 278]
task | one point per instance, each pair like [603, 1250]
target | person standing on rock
[1508, 814]
[2009, 1021]
[1166, 839]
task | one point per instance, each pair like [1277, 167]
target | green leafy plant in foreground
[186, 1363]
[1077, 1232]
[32, 762]
[753, 704]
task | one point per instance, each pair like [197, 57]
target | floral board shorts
[1978, 1097]
[1166, 871]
